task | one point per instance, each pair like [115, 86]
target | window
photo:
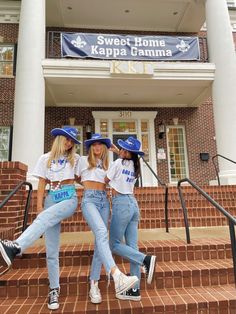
[104, 128]
[145, 139]
[177, 155]
[5, 143]
[6, 60]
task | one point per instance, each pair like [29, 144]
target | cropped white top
[121, 175]
[58, 171]
[95, 174]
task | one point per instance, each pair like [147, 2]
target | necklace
[61, 162]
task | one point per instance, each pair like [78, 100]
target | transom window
[6, 59]
[124, 126]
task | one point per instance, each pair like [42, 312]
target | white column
[29, 110]
[222, 53]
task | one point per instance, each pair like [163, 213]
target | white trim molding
[10, 12]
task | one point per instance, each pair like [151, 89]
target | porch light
[161, 130]
[175, 120]
[88, 130]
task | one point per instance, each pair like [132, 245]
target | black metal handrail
[166, 193]
[231, 219]
[9, 196]
[216, 170]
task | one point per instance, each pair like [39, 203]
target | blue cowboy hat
[131, 144]
[97, 138]
[68, 132]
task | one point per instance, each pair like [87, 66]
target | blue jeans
[48, 222]
[124, 224]
[96, 209]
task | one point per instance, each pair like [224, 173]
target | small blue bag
[65, 193]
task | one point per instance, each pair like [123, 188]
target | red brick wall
[11, 214]
[198, 122]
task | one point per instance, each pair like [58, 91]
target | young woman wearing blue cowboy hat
[96, 209]
[57, 168]
[122, 176]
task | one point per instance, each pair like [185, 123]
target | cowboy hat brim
[58, 131]
[125, 146]
[105, 141]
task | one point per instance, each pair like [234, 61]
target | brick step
[152, 223]
[149, 221]
[172, 250]
[179, 222]
[212, 300]
[158, 212]
[34, 282]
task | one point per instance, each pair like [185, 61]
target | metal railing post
[233, 246]
[27, 201]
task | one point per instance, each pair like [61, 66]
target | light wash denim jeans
[48, 222]
[95, 207]
[124, 224]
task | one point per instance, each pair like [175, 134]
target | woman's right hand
[114, 149]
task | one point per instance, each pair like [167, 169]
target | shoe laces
[121, 279]
[95, 289]
[53, 296]
[145, 269]
[10, 244]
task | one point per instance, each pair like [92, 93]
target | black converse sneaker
[149, 264]
[8, 251]
[131, 294]
[53, 296]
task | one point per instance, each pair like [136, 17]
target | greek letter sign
[129, 47]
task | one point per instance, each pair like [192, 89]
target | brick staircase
[151, 201]
[194, 278]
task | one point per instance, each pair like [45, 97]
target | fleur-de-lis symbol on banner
[78, 43]
[183, 46]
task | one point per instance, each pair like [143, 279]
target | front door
[122, 124]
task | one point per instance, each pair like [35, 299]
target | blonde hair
[104, 157]
[58, 150]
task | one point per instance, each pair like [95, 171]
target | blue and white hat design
[69, 132]
[97, 138]
[132, 145]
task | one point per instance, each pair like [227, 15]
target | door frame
[132, 115]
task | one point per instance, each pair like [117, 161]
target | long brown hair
[104, 157]
[58, 150]
[136, 161]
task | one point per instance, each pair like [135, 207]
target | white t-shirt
[121, 175]
[58, 171]
[95, 174]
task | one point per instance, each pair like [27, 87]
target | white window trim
[185, 151]
[134, 115]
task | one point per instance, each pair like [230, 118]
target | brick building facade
[198, 122]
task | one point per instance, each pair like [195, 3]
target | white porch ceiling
[137, 15]
[90, 83]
